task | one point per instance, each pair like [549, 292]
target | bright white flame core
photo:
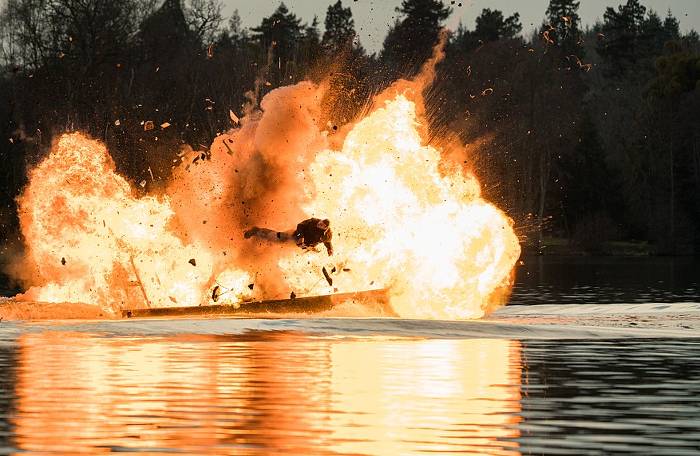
[399, 223]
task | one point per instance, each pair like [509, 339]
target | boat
[373, 302]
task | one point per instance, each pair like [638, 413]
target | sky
[374, 17]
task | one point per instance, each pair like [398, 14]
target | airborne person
[307, 235]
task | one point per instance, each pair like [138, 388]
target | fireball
[402, 220]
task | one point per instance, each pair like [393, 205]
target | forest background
[588, 137]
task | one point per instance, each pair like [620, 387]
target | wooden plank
[26, 310]
[375, 301]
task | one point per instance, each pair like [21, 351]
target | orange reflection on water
[435, 395]
[266, 393]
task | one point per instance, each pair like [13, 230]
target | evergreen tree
[283, 31]
[589, 195]
[235, 33]
[351, 70]
[165, 33]
[564, 26]
[671, 27]
[462, 40]
[310, 48]
[492, 26]
[340, 29]
[410, 41]
[652, 35]
[691, 42]
[621, 30]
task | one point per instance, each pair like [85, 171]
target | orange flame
[400, 219]
[91, 240]
[401, 224]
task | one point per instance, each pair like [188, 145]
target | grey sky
[373, 17]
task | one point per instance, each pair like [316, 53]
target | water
[587, 377]
[583, 280]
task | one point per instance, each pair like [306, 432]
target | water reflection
[266, 393]
[7, 363]
[611, 397]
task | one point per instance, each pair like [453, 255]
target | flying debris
[234, 118]
[329, 279]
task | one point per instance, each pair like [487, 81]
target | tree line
[588, 134]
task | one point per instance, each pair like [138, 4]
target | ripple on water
[287, 391]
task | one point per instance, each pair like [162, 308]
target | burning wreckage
[412, 235]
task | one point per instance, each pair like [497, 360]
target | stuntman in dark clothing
[307, 235]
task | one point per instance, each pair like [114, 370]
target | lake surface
[570, 376]
[586, 280]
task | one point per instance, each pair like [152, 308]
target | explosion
[402, 219]
[429, 238]
[91, 240]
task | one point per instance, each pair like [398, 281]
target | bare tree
[204, 19]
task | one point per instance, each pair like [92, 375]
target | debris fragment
[210, 51]
[164, 125]
[148, 125]
[215, 293]
[63, 261]
[117, 122]
[329, 279]
[234, 117]
[173, 299]
[230, 152]
[143, 183]
[547, 39]
[251, 285]
[193, 262]
[487, 92]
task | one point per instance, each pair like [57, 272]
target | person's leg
[269, 235]
[285, 236]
